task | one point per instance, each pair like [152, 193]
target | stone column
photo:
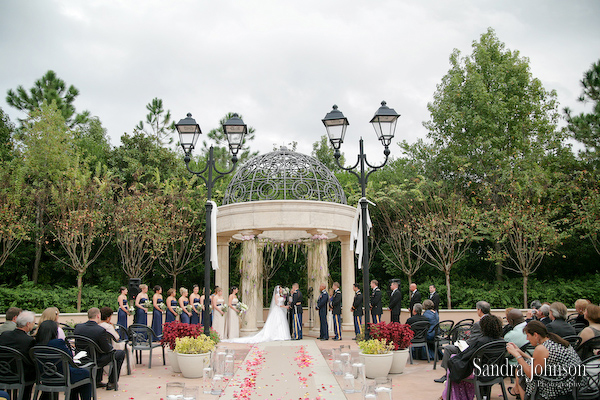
[260, 287]
[222, 274]
[318, 272]
[249, 283]
[348, 279]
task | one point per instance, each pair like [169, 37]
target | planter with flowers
[174, 330]
[193, 354]
[399, 335]
[377, 356]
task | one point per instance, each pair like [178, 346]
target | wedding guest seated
[20, 340]
[100, 336]
[506, 328]
[417, 314]
[592, 315]
[516, 335]
[433, 317]
[483, 310]
[544, 314]
[11, 316]
[106, 314]
[51, 314]
[460, 367]
[47, 335]
[559, 324]
[533, 313]
[580, 306]
[550, 350]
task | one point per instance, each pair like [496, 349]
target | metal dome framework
[284, 175]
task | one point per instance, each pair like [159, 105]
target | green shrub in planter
[375, 346]
[190, 345]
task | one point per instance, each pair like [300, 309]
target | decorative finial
[189, 115]
[335, 107]
[383, 103]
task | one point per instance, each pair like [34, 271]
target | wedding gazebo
[284, 197]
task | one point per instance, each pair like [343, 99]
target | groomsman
[336, 310]
[322, 308]
[297, 305]
[415, 297]
[357, 310]
[395, 299]
[435, 297]
[376, 309]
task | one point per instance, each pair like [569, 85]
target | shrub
[375, 346]
[174, 330]
[395, 333]
[194, 345]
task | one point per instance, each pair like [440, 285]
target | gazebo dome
[284, 175]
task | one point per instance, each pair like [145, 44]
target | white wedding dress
[276, 326]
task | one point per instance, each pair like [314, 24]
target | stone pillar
[249, 283]
[260, 287]
[348, 279]
[222, 274]
[318, 272]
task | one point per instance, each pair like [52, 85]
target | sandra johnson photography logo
[554, 371]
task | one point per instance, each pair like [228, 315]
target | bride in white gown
[276, 326]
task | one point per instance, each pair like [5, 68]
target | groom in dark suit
[322, 308]
[297, 314]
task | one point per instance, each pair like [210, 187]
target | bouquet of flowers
[189, 308]
[162, 306]
[178, 310]
[131, 311]
[242, 308]
[198, 307]
[224, 309]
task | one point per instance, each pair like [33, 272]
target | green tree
[6, 137]
[48, 153]
[49, 88]
[91, 138]
[159, 121]
[585, 127]
[80, 221]
[14, 218]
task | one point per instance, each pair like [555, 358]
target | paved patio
[415, 383]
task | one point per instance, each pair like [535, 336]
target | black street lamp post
[384, 122]
[189, 132]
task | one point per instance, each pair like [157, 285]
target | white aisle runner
[289, 370]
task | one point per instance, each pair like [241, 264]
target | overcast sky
[281, 64]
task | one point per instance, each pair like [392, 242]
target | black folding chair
[52, 371]
[122, 331]
[589, 348]
[84, 343]
[442, 331]
[587, 384]
[573, 340]
[461, 331]
[420, 339]
[143, 338]
[12, 372]
[465, 321]
[488, 355]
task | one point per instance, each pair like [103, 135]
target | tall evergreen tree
[159, 122]
[49, 88]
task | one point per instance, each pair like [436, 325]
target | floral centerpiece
[399, 336]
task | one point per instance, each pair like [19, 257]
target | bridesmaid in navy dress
[171, 304]
[195, 299]
[123, 309]
[184, 301]
[157, 313]
[141, 312]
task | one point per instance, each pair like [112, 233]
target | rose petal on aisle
[284, 370]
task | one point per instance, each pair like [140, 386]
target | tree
[159, 121]
[49, 88]
[91, 138]
[81, 220]
[6, 137]
[137, 228]
[488, 115]
[585, 127]
[48, 153]
[14, 221]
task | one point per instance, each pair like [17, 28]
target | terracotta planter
[377, 365]
[172, 357]
[399, 361]
[192, 365]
